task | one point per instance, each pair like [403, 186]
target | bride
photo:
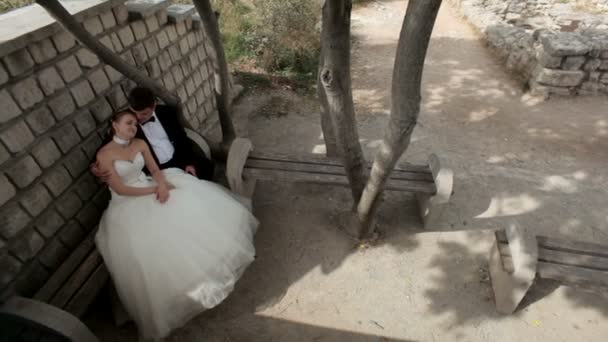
[174, 245]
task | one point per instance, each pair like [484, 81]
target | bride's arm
[151, 165]
[163, 187]
[107, 163]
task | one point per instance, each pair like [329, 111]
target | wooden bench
[52, 314]
[431, 183]
[518, 257]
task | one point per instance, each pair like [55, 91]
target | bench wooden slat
[322, 160]
[501, 236]
[87, 293]
[65, 270]
[504, 249]
[77, 279]
[505, 256]
[579, 247]
[558, 257]
[341, 180]
[507, 264]
[572, 259]
[572, 274]
[569, 262]
[328, 169]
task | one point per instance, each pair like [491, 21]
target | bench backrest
[323, 170]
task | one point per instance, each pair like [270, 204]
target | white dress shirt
[157, 136]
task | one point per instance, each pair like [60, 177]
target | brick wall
[55, 100]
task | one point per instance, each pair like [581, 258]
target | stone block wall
[570, 63]
[509, 9]
[558, 52]
[597, 5]
[513, 9]
[55, 101]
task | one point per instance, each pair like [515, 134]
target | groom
[159, 127]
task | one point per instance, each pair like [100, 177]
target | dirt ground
[542, 165]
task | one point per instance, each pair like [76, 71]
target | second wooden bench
[518, 258]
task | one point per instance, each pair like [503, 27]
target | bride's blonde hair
[114, 118]
[117, 116]
[110, 131]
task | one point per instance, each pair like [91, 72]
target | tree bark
[222, 94]
[57, 11]
[405, 104]
[329, 134]
[335, 79]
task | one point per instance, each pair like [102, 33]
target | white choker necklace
[120, 141]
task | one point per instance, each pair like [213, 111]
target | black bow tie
[151, 119]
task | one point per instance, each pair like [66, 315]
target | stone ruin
[556, 47]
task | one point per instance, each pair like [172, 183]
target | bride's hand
[162, 193]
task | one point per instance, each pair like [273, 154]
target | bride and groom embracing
[174, 244]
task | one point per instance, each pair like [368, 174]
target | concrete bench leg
[510, 288]
[47, 316]
[432, 206]
[237, 157]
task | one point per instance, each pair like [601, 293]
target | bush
[287, 32]
[279, 35]
[6, 5]
[235, 24]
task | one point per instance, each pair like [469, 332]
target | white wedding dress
[171, 261]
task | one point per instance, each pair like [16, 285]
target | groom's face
[144, 114]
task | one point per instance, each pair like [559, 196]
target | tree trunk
[329, 135]
[405, 103]
[57, 11]
[336, 82]
[222, 95]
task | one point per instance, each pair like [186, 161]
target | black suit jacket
[184, 154]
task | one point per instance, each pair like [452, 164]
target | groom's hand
[191, 170]
[162, 194]
[102, 174]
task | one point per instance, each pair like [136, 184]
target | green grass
[291, 57]
[235, 27]
[301, 84]
[276, 37]
[6, 5]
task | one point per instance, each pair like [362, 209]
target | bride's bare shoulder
[105, 153]
[140, 144]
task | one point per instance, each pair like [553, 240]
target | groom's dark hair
[141, 98]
